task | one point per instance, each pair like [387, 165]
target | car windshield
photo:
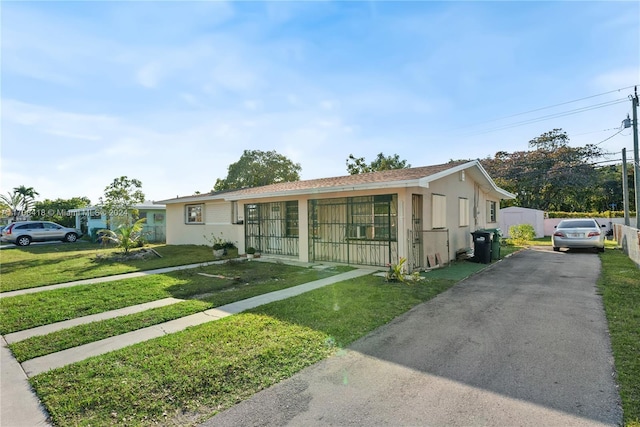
[577, 224]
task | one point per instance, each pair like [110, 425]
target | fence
[628, 239]
[154, 233]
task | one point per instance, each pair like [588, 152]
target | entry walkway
[20, 406]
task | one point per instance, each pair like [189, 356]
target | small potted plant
[218, 244]
[251, 252]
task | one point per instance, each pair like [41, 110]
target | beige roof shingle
[365, 180]
[395, 175]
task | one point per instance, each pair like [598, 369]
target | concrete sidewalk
[20, 406]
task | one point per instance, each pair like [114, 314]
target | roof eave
[325, 190]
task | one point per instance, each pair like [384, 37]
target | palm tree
[125, 236]
[28, 196]
[15, 201]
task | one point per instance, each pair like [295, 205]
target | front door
[416, 233]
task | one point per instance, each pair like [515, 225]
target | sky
[172, 93]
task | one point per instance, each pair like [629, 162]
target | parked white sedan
[578, 233]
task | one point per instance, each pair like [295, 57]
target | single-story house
[368, 219]
[516, 215]
[91, 219]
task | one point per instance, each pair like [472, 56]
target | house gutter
[326, 190]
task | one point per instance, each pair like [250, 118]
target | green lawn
[184, 378]
[620, 287]
[41, 265]
[188, 376]
[241, 280]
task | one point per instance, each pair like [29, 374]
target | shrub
[126, 236]
[521, 234]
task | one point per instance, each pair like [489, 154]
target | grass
[242, 280]
[619, 284]
[82, 334]
[42, 265]
[186, 377]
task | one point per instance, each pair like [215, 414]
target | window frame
[438, 211]
[372, 218]
[188, 215]
[492, 211]
[464, 219]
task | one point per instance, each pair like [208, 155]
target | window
[491, 211]
[234, 213]
[30, 226]
[372, 217]
[142, 215]
[194, 214]
[464, 212]
[438, 211]
[251, 214]
[51, 226]
[292, 219]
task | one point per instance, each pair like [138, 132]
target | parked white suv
[22, 233]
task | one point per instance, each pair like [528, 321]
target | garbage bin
[481, 246]
[495, 242]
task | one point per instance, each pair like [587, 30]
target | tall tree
[120, 198]
[358, 165]
[256, 168]
[552, 176]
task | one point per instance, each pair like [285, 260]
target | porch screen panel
[354, 230]
[272, 228]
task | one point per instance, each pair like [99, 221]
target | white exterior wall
[516, 215]
[551, 223]
[217, 216]
[454, 188]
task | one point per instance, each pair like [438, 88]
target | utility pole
[636, 158]
[625, 187]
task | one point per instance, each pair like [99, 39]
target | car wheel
[71, 237]
[23, 241]
[600, 249]
[556, 249]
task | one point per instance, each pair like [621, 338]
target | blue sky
[172, 93]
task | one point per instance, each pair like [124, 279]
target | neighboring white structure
[515, 215]
[368, 219]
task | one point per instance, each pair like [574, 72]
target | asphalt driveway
[522, 343]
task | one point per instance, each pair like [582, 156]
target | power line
[549, 106]
[606, 139]
[553, 116]
[595, 131]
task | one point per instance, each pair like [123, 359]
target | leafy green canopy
[552, 176]
[119, 200]
[358, 165]
[256, 168]
[58, 210]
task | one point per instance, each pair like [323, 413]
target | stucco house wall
[406, 197]
[217, 222]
